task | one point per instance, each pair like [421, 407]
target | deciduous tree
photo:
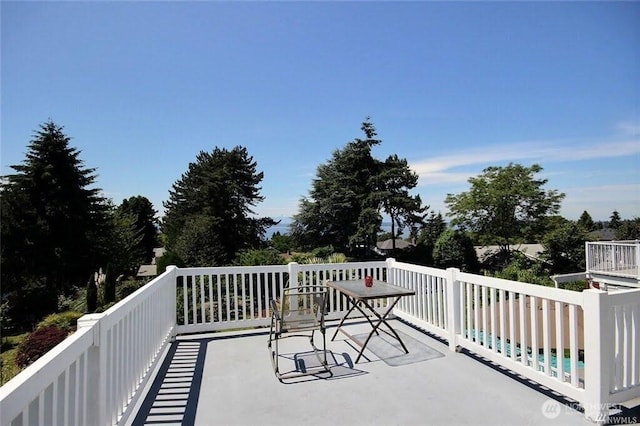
[505, 205]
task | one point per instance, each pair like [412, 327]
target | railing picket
[493, 328]
[546, 336]
[523, 329]
[559, 328]
[503, 325]
[512, 325]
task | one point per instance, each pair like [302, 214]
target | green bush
[67, 321]
[127, 288]
[454, 248]
[39, 343]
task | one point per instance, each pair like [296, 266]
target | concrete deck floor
[222, 379]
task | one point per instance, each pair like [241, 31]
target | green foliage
[92, 295]
[209, 216]
[332, 214]
[525, 270]
[615, 221]
[145, 225]
[39, 343]
[281, 243]
[8, 352]
[455, 249]
[392, 186]
[319, 257]
[126, 288]
[586, 222]
[258, 257]
[629, 230]
[564, 248]
[167, 259]
[67, 321]
[109, 287]
[349, 193]
[505, 205]
[322, 251]
[52, 218]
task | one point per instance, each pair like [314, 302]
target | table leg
[354, 305]
[381, 319]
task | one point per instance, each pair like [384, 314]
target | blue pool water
[553, 360]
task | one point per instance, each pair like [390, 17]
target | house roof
[532, 251]
[388, 244]
[147, 271]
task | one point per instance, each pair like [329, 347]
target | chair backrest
[303, 307]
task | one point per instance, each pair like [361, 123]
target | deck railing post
[95, 410]
[598, 354]
[173, 294]
[391, 261]
[453, 307]
[293, 269]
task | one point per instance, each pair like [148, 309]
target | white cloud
[628, 128]
[446, 169]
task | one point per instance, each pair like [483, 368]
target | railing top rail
[230, 270]
[556, 294]
[614, 243]
[345, 265]
[125, 306]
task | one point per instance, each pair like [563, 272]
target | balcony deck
[228, 379]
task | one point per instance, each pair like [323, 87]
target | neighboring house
[532, 251]
[150, 271]
[385, 247]
[607, 234]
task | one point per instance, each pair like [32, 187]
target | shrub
[68, 321]
[39, 343]
[455, 249]
[127, 288]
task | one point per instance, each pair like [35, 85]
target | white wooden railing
[585, 345]
[619, 258]
[213, 299]
[95, 376]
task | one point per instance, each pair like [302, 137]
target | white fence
[211, 299]
[535, 331]
[620, 258]
[94, 377]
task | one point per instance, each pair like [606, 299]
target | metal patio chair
[299, 312]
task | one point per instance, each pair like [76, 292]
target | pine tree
[51, 215]
[209, 216]
[52, 223]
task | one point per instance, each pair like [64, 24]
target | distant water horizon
[285, 222]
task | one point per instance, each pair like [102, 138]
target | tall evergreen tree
[392, 190]
[51, 217]
[586, 222]
[614, 220]
[339, 209]
[349, 193]
[209, 216]
[145, 223]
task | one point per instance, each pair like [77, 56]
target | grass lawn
[8, 355]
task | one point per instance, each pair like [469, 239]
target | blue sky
[453, 87]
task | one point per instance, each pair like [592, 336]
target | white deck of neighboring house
[226, 379]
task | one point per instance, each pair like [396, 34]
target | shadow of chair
[299, 312]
